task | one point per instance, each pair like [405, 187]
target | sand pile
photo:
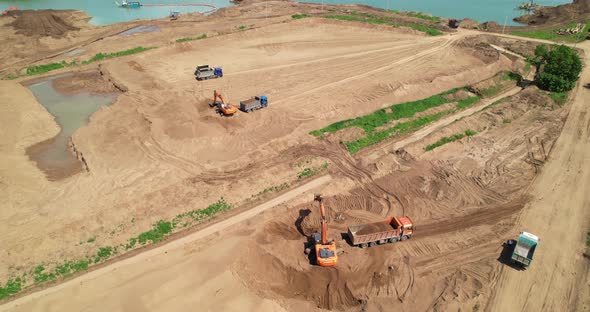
[40, 23]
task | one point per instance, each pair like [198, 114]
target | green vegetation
[308, 172]
[102, 56]
[551, 34]
[160, 230]
[12, 286]
[398, 129]
[424, 16]
[449, 139]
[506, 120]
[508, 75]
[491, 91]
[370, 123]
[467, 102]
[559, 97]
[41, 69]
[203, 36]
[272, 189]
[300, 16]
[201, 214]
[91, 240]
[381, 117]
[431, 31]
[558, 67]
[382, 20]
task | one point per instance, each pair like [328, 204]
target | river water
[500, 11]
[106, 12]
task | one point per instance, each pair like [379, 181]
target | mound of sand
[40, 23]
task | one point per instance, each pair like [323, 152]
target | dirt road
[174, 245]
[559, 214]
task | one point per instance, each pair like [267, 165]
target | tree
[558, 68]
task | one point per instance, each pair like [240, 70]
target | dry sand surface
[161, 150]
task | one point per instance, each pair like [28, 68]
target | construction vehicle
[256, 102]
[524, 249]
[174, 15]
[325, 250]
[204, 72]
[389, 231]
[223, 107]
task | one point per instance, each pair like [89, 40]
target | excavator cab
[325, 251]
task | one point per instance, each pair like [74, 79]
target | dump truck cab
[524, 249]
[404, 224]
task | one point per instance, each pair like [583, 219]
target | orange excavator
[224, 108]
[325, 250]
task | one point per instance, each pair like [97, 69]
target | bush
[558, 67]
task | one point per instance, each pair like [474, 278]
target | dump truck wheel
[404, 237]
[381, 242]
[371, 244]
[307, 251]
[364, 245]
[393, 240]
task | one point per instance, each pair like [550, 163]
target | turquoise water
[71, 112]
[106, 12]
[480, 10]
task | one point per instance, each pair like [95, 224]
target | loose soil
[160, 150]
[40, 23]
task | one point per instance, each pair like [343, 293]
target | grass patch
[378, 20]
[369, 123]
[160, 230]
[103, 56]
[398, 129]
[41, 69]
[381, 117]
[559, 97]
[203, 36]
[431, 31]
[299, 16]
[491, 91]
[551, 34]
[272, 189]
[506, 120]
[91, 240]
[311, 171]
[450, 139]
[201, 214]
[467, 102]
[12, 286]
[425, 17]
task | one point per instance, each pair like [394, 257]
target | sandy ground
[557, 279]
[160, 150]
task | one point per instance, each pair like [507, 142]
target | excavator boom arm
[324, 223]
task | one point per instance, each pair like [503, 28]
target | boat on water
[128, 4]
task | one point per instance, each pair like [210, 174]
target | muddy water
[71, 112]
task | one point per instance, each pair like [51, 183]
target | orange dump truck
[388, 231]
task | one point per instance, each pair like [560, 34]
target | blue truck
[524, 249]
[204, 72]
[256, 102]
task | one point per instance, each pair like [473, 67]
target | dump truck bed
[371, 232]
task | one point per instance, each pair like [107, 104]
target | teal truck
[524, 249]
